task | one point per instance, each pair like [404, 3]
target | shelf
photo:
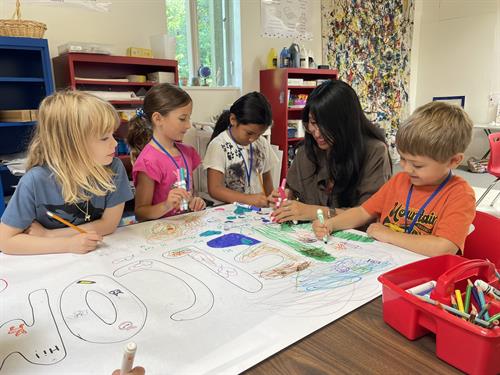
[21, 79]
[295, 109]
[125, 102]
[293, 87]
[10, 124]
[113, 83]
[121, 60]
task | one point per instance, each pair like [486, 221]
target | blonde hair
[67, 120]
[437, 130]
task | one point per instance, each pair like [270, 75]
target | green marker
[321, 219]
[467, 296]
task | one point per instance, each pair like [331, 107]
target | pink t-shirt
[160, 168]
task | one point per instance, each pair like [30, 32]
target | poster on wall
[97, 5]
[286, 19]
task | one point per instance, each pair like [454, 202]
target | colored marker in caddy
[422, 289]
[128, 358]
[488, 289]
[321, 219]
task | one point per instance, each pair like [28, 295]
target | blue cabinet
[25, 79]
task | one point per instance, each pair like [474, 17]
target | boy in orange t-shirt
[425, 208]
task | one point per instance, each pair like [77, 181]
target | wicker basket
[18, 27]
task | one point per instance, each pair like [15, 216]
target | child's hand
[380, 232]
[320, 230]
[36, 229]
[197, 204]
[83, 242]
[135, 371]
[175, 197]
[259, 200]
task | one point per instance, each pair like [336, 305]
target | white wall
[454, 54]
[254, 47]
[129, 23]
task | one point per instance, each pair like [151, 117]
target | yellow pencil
[460, 303]
[262, 183]
[65, 222]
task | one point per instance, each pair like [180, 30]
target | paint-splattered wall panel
[369, 43]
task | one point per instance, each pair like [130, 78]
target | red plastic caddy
[469, 347]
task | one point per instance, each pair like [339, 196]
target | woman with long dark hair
[343, 161]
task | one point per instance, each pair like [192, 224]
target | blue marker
[247, 206]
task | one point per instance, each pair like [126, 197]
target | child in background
[237, 158]
[163, 171]
[71, 172]
[425, 208]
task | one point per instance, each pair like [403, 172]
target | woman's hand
[291, 210]
[275, 196]
[82, 243]
[197, 204]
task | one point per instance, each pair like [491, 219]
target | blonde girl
[163, 170]
[71, 172]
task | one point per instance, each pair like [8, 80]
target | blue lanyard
[247, 170]
[419, 213]
[173, 160]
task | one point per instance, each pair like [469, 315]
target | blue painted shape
[209, 233]
[232, 239]
[242, 210]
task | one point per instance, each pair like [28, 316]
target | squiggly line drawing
[41, 344]
[203, 298]
[289, 263]
[109, 304]
[3, 285]
[228, 271]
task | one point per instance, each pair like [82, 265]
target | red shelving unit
[274, 85]
[93, 72]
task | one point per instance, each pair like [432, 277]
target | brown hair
[437, 130]
[162, 98]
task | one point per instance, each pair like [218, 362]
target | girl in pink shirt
[163, 170]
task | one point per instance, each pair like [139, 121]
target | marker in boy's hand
[321, 229]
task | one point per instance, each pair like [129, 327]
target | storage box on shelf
[286, 89]
[25, 79]
[108, 75]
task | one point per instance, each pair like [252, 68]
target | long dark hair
[252, 108]
[162, 98]
[335, 107]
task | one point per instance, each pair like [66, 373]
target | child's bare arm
[348, 219]
[218, 190]
[144, 190]
[15, 241]
[426, 245]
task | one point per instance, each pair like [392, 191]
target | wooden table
[358, 343]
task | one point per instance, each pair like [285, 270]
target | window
[205, 36]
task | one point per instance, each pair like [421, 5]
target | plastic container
[163, 46]
[466, 346]
[82, 47]
[284, 58]
[272, 59]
